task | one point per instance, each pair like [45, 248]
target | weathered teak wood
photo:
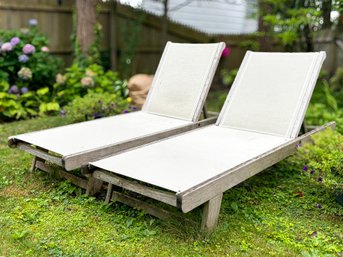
[33, 165]
[204, 111]
[42, 154]
[194, 197]
[81, 182]
[71, 162]
[74, 161]
[160, 195]
[109, 193]
[93, 185]
[136, 203]
[149, 208]
[209, 194]
[211, 213]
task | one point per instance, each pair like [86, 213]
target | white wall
[210, 16]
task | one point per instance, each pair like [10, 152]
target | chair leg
[94, 185]
[33, 165]
[109, 193]
[211, 213]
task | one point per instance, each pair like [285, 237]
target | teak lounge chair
[173, 105]
[257, 127]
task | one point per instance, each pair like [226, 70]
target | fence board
[55, 21]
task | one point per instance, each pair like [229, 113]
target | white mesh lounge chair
[174, 105]
[257, 127]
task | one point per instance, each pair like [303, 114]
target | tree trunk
[165, 23]
[326, 10]
[86, 21]
[264, 40]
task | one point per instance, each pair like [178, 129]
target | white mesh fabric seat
[271, 92]
[178, 92]
[182, 69]
[263, 111]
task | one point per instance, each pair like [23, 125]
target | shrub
[324, 107]
[25, 67]
[79, 81]
[25, 60]
[97, 105]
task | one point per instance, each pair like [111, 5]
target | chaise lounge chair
[257, 127]
[173, 105]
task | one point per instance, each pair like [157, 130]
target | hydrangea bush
[80, 81]
[25, 66]
[30, 84]
[25, 60]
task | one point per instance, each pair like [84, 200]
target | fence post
[113, 36]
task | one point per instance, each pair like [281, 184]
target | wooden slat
[162, 196]
[39, 153]
[135, 203]
[74, 161]
[81, 182]
[194, 197]
[149, 208]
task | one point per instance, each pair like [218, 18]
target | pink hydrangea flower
[60, 79]
[45, 49]
[226, 52]
[6, 47]
[87, 82]
[29, 49]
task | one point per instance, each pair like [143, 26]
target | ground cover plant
[287, 210]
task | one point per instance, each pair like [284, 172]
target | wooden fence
[131, 38]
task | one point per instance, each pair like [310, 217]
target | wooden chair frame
[74, 161]
[209, 193]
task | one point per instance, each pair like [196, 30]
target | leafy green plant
[323, 158]
[26, 66]
[293, 23]
[27, 49]
[324, 107]
[79, 81]
[228, 77]
[97, 105]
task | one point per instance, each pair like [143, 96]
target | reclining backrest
[183, 79]
[271, 92]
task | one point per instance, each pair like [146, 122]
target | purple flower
[125, 111]
[29, 49]
[226, 52]
[63, 113]
[6, 47]
[133, 108]
[305, 168]
[24, 90]
[13, 90]
[33, 22]
[15, 41]
[297, 145]
[319, 206]
[312, 172]
[23, 58]
[320, 179]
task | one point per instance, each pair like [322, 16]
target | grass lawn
[275, 213]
